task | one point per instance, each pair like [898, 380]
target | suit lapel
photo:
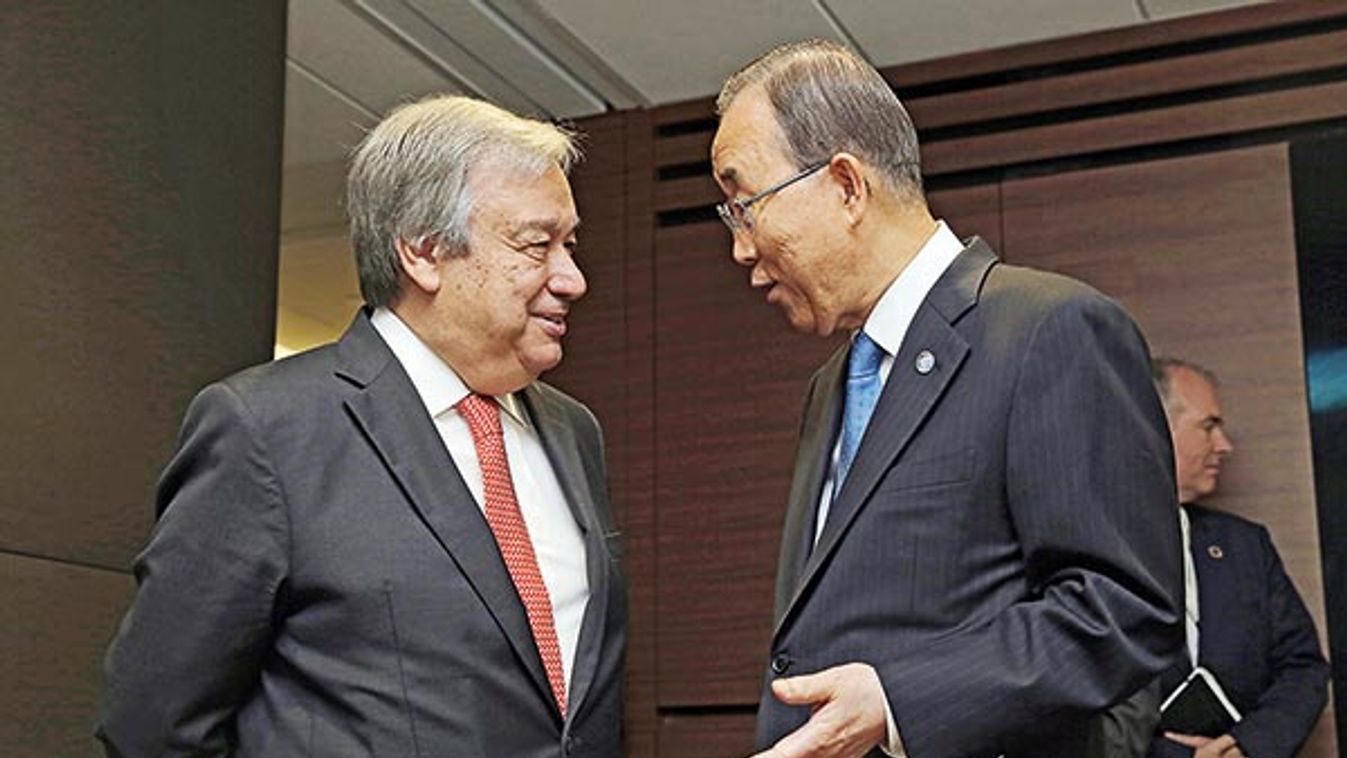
[907, 399]
[564, 452]
[388, 410]
[1212, 583]
[822, 412]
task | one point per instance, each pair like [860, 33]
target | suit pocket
[440, 696]
[402, 666]
[954, 467]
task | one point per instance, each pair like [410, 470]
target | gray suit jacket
[321, 583]
[1005, 551]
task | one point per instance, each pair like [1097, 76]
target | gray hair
[1162, 371]
[409, 178]
[828, 99]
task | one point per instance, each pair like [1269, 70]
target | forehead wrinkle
[552, 226]
[759, 151]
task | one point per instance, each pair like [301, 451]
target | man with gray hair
[1245, 623]
[979, 552]
[400, 544]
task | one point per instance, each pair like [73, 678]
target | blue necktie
[862, 393]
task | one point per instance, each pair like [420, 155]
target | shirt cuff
[893, 742]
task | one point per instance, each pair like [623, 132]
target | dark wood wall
[1150, 162]
[139, 180]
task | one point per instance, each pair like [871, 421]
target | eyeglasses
[735, 212]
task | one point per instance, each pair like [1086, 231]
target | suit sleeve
[1288, 708]
[1126, 729]
[1090, 493]
[190, 649]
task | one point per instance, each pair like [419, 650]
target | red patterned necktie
[512, 534]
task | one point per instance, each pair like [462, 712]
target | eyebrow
[728, 175]
[550, 226]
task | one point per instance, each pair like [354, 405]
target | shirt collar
[439, 386]
[892, 315]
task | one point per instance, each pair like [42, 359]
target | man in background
[980, 552]
[398, 544]
[1245, 621]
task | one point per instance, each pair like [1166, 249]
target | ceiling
[349, 61]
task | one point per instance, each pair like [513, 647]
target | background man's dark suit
[1256, 637]
[1004, 551]
[366, 610]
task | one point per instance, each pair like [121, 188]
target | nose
[744, 253]
[1221, 442]
[565, 280]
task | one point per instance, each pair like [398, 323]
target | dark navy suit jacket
[1255, 636]
[1004, 551]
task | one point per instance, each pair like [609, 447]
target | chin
[540, 360]
[809, 324]
[800, 320]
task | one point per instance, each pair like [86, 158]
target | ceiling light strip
[512, 30]
[332, 89]
[533, 106]
[840, 29]
[413, 45]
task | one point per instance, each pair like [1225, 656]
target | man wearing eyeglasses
[979, 552]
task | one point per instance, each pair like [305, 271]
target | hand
[1207, 747]
[849, 718]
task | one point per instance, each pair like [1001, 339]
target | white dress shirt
[556, 536]
[887, 326]
[1192, 613]
[888, 323]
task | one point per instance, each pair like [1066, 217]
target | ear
[418, 260]
[848, 174]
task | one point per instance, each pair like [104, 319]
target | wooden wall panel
[58, 619]
[729, 380]
[1147, 78]
[687, 192]
[693, 147]
[638, 510]
[970, 211]
[1201, 251]
[1132, 40]
[1180, 122]
[1154, 84]
[596, 327]
[607, 365]
[711, 735]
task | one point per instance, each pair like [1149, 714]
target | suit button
[781, 663]
[568, 746]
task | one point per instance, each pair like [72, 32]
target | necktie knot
[865, 357]
[483, 417]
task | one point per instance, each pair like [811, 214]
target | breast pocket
[941, 469]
